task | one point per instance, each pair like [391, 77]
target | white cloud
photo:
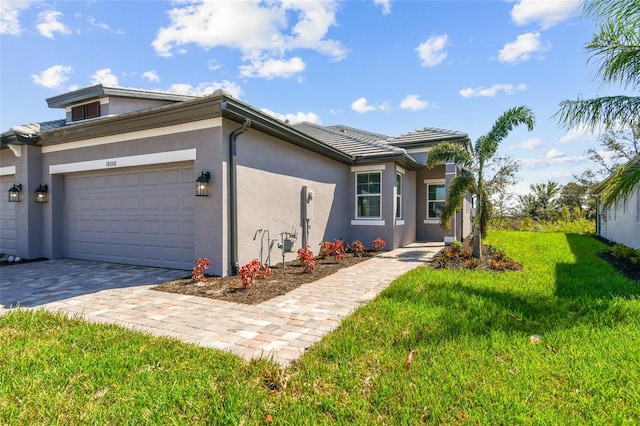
[553, 153]
[207, 88]
[492, 91]
[532, 143]
[547, 13]
[522, 48]
[261, 31]
[52, 77]
[414, 103]
[298, 117]
[362, 106]
[104, 76]
[272, 68]
[92, 21]
[151, 76]
[537, 163]
[49, 24]
[213, 65]
[386, 6]
[10, 14]
[581, 132]
[432, 52]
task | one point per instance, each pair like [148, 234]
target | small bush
[200, 265]
[335, 249]
[623, 252]
[379, 244]
[305, 256]
[253, 270]
[358, 248]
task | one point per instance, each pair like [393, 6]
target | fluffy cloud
[532, 143]
[272, 68]
[386, 6]
[10, 14]
[580, 133]
[49, 24]
[522, 48]
[489, 92]
[553, 153]
[413, 103]
[432, 51]
[104, 76]
[547, 13]
[298, 117]
[151, 76]
[52, 77]
[262, 31]
[93, 22]
[207, 88]
[537, 163]
[362, 106]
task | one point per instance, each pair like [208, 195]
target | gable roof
[99, 90]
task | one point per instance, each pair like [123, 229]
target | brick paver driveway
[281, 328]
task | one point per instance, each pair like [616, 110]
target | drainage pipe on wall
[233, 195]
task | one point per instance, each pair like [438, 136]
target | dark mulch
[492, 260]
[624, 266]
[279, 282]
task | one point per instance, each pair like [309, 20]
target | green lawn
[474, 363]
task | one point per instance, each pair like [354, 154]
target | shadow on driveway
[33, 284]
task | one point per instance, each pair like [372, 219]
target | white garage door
[138, 216]
[7, 217]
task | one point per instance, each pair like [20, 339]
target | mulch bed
[492, 260]
[280, 281]
[624, 266]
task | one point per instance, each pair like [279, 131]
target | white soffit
[150, 133]
[130, 161]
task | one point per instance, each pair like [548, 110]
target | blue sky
[388, 66]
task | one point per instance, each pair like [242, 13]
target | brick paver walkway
[281, 328]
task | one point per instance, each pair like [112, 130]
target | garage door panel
[7, 217]
[143, 216]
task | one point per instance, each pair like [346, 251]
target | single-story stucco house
[115, 181]
[619, 223]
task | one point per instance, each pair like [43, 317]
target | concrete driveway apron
[280, 329]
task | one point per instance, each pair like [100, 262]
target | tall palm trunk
[477, 231]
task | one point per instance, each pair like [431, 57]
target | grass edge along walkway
[468, 333]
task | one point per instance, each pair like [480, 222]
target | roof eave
[238, 111]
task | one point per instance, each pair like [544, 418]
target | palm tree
[485, 148]
[617, 49]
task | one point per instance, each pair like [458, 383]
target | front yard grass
[469, 333]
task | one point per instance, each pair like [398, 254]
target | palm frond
[608, 110]
[617, 50]
[487, 145]
[622, 183]
[449, 152]
[459, 187]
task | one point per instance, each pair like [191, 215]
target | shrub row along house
[159, 179]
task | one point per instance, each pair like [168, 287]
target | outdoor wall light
[202, 185]
[41, 194]
[14, 193]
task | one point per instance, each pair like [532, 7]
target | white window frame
[429, 220]
[368, 221]
[397, 192]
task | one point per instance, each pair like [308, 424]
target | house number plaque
[111, 163]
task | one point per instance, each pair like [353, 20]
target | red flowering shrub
[335, 249]
[378, 244]
[253, 270]
[358, 248]
[305, 256]
[198, 270]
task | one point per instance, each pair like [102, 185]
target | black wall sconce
[41, 194]
[202, 185]
[14, 193]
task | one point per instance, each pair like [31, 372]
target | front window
[398, 196]
[368, 195]
[435, 200]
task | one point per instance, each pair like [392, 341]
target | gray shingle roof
[427, 136]
[29, 129]
[353, 142]
[360, 134]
